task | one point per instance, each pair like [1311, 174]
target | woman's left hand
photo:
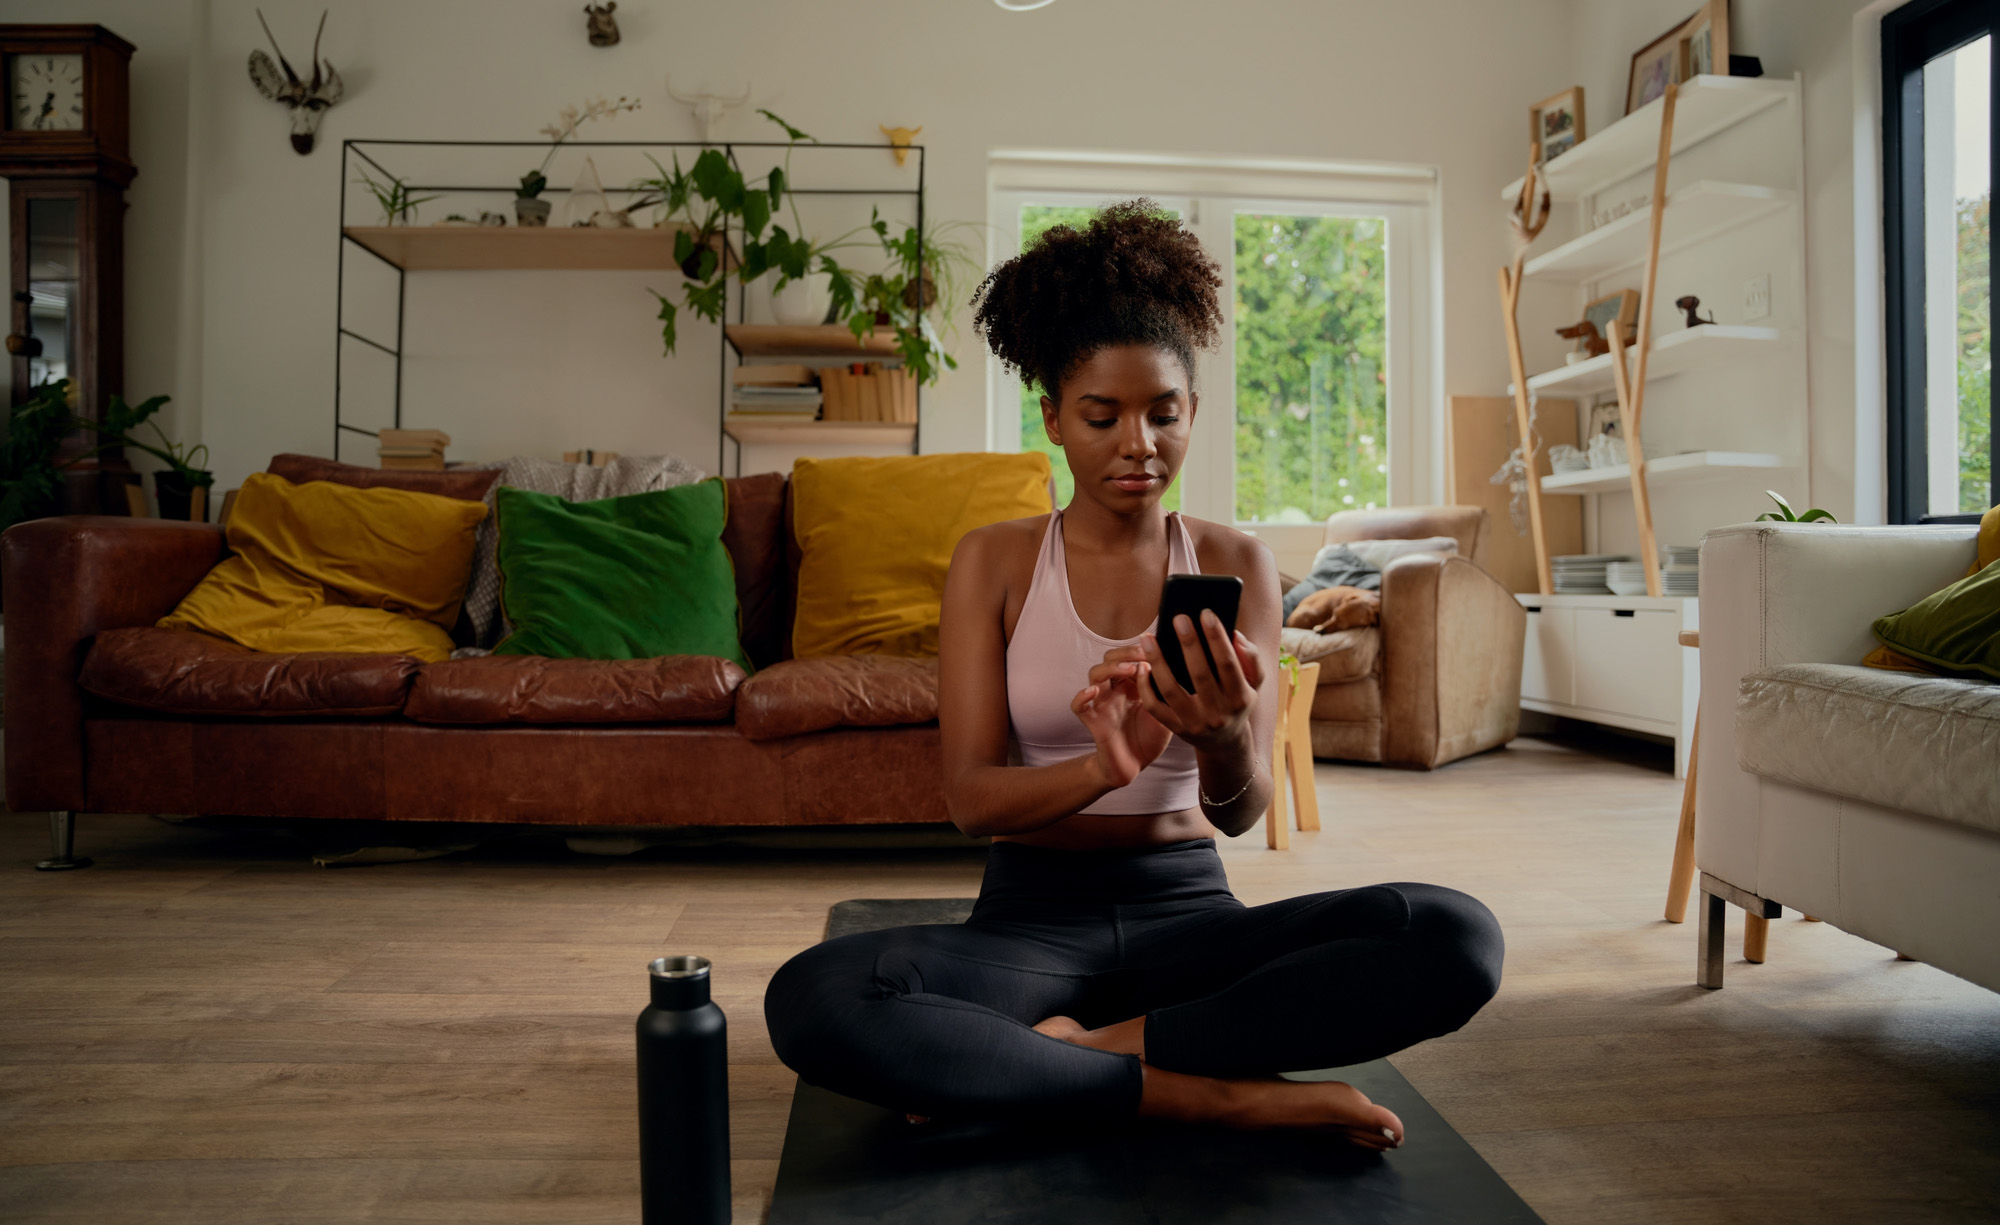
[1216, 716]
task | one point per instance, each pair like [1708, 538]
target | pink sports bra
[1048, 660]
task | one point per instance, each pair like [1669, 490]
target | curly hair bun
[1134, 275]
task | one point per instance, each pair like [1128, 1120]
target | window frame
[1913, 36]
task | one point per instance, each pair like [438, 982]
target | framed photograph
[1654, 67]
[1604, 419]
[1705, 41]
[1557, 122]
[1621, 308]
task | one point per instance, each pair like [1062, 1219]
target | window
[1311, 324]
[1938, 106]
[1321, 393]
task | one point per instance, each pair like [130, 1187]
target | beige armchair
[1440, 677]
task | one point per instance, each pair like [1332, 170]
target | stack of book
[869, 391]
[774, 393]
[412, 448]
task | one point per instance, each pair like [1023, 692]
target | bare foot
[1123, 1038]
[1061, 1027]
[1261, 1104]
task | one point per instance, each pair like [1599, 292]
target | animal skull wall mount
[306, 102]
[708, 109]
[602, 25]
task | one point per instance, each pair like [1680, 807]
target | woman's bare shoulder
[1002, 547]
[1222, 549]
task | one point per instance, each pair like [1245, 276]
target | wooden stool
[1680, 880]
[1292, 755]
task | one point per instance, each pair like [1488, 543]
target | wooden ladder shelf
[1629, 383]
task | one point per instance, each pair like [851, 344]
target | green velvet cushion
[1957, 628]
[622, 578]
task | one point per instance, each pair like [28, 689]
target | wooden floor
[206, 1028]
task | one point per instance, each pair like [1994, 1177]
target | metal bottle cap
[683, 967]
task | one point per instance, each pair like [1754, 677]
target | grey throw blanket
[627, 474]
[1334, 566]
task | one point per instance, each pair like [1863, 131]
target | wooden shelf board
[819, 433]
[1707, 105]
[465, 248]
[1695, 213]
[822, 340]
[1674, 353]
[1685, 469]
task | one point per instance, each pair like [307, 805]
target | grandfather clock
[65, 151]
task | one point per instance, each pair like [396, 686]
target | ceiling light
[1023, 6]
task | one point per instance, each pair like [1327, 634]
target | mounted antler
[306, 102]
[708, 108]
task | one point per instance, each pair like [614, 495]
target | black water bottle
[683, 1099]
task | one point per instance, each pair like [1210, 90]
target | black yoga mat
[846, 1161]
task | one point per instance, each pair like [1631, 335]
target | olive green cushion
[623, 578]
[1957, 629]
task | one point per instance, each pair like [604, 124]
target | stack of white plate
[1680, 569]
[1625, 578]
[1583, 573]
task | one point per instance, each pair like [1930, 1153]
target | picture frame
[1604, 419]
[1705, 41]
[1655, 66]
[1623, 307]
[1556, 122]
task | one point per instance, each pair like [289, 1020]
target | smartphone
[1186, 595]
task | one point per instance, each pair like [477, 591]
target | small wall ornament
[306, 102]
[603, 26]
[899, 140]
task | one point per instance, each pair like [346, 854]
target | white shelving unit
[1696, 212]
[1701, 348]
[1687, 468]
[1725, 403]
[1708, 106]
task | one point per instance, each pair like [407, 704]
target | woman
[1107, 971]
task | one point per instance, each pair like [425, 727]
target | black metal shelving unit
[353, 150]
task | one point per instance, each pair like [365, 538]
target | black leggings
[936, 1020]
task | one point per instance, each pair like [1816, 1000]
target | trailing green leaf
[668, 319]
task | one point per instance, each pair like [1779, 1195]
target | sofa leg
[62, 839]
[1708, 942]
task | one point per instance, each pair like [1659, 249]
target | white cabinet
[1615, 660]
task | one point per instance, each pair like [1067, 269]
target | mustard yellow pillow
[326, 567]
[876, 536]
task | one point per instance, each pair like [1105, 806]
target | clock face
[45, 93]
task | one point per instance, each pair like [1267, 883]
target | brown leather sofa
[109, 714]
[1440, 677]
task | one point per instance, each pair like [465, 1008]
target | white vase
[802, 302]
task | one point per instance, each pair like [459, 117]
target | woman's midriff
[1098, 831]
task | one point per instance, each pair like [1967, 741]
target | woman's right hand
[1127, 738]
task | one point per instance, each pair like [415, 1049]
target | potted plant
[529, 207]
[398, 205]
[705, 198]
[904, 296]
[173, 485]
[30, 477]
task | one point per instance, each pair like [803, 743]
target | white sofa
[1868, 799]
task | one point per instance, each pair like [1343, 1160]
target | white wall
[234, 313]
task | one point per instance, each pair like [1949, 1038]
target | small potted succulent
[529, 207]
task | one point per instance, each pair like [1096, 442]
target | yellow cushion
[877, 536]
[326, 567]
[1989, 541]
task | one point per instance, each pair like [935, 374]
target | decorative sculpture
[307, 102]
[603, 26]
[708, 108]
[1688, 305]
[899, 140]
